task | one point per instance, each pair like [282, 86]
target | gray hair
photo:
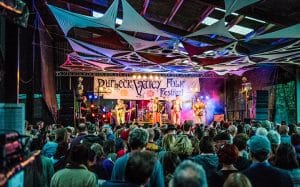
[138, 138]
[189, 173]
[261, 131]
[274, 137]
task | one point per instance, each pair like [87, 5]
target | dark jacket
[209, 163]
[263, 174]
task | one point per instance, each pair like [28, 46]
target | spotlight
[201, 97]
[144, 77]
[156, 77]
[93, 114]
[95, 96]
[207, 97]
[90, 96]
[151, 76]
[92, 105]
[134, 76]
[104, 116]
[139, 76]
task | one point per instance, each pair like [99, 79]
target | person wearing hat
[261, 173]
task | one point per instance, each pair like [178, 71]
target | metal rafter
[145, 7]
[174, 11]
[206, 13]
[235, 21]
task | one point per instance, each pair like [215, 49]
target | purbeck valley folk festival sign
[165, 88]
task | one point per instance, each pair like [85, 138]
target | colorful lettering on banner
[144, 89]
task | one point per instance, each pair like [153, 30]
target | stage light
[156, 77]
[201, 97]
[104, 116]
[90, 96]
[134, 76]
[93, 114]
[101, 88]
[151, 76]
[139, 76]
[95, 96]
[161, 78]
[92, 105]
[144, 77]
[207, 97]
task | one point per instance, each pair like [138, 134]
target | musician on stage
[176, 110]
[83, 107]
[120, 112]
[157, 109]
[199, 111]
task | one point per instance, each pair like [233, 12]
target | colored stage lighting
[207, 97]
[95, 96]
[201, 97]
[90, 96]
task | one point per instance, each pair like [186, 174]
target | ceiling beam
[206, 13]
[235, 21]
[174, 11]
[259, 31]
[145, 7]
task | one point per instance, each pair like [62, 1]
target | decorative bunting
[133, 21]
[139, 44]
[234, 5]
[217, 28]
[68, 20]
[290, 32]
[193, 50]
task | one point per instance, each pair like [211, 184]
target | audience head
[261, 131]
[82, 128]
[151, 134]
[91, 128]
[283, 130]
[61, 135]
[266, 124]
[169, 161]
[286, 157]
[79, 155]
[168, 141]
[139, 167]
[237, 180]
[189, 174]
[138, 138]
[232, 129]
[183, 146]
[260, 147]
[187, 126]
[228, 154]
[240, 141]
[206, 145]
[222, 139]
[274, 138]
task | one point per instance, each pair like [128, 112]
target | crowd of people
[231, 154]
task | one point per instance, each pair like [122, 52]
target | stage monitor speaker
[66, 112]
[262, 103]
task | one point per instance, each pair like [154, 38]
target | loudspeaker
[262, 103]
[66, 112]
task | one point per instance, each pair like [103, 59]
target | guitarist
[120, 109]
[157, 109]
[199, 109]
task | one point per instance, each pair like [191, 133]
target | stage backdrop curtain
[47, 70]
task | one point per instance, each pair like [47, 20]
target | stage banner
[129, 88]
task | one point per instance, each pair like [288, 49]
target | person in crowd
[286, 159]
[228, 155]
[284, 133]
[40, 171]
[171, 129]
[237, 180]
[187, 128]
[240, 141]
[76, 172]
[82, 131]
[274, 138]
[261, 131]
[182, 147]
[221, 139]
[151, 145]
[168, 141]
[292, 129]
[266, 124]
[109, 148]
[261, 173]
[92, 136]
[207, 157]
[137, 141]
[169, 161]
[295, 139]
[189, 174]
[232, 130]
[107, 130]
